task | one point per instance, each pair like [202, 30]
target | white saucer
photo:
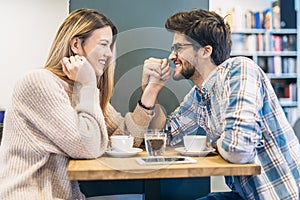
[123, 154]
[184, 152]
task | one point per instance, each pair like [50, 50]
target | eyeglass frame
[176, 47]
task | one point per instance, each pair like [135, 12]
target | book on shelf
[270, 18]
[276, 15]
[290, 92]
[270, 64]
[258, 22]
[251, 43]
[249, 19]
[292, 43]
[286, 92]
[277, 43]
[238, 43]
[289, 65]
[263, 64]
[284, 42]
[259, 19]
[279, 65]
[288, 15]
[264, 42]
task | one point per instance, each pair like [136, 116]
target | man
[234, 102]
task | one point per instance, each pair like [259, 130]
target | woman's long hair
[81, 23]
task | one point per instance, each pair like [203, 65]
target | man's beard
[186, 73]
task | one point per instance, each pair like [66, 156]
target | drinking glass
[155, 142]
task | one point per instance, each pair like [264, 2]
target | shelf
[282, 76]
[275, 50]
[264, 53]
[242, 53]
[288, 104]
[277, 62]
[264, 31]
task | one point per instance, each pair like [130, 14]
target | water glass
[155, 142]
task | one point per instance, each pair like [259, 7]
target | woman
[60, 111]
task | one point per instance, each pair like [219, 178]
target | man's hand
[155, 73]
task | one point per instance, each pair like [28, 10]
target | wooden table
[108, 168]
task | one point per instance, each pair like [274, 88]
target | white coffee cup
[194, 142]
[121, 142]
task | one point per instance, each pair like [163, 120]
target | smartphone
[165, 160]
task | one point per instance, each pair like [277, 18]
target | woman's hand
[78, 69]
[155, 73]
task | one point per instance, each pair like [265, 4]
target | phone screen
[165, 160]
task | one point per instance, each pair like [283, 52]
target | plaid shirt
[240, 112]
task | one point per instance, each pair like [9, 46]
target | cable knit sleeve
[59, 128]
[135, 123]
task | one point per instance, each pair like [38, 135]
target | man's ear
[75, 45]
[207, 50]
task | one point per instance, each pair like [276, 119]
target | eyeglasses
[176, 47]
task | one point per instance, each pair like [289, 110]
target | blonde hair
[81, 23]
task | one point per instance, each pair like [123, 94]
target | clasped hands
[155, 73]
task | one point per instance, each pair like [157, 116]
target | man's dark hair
[205, 28]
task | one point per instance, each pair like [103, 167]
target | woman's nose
[108, 52]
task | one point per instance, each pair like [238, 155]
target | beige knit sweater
[43, 130]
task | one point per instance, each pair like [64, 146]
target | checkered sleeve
[183, 120]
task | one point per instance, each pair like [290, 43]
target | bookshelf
[274, 49]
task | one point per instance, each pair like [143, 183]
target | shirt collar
[210, 81]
